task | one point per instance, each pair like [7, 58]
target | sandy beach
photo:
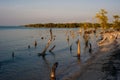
[105, 65]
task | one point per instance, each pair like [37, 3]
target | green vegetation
[116, 22]
[63, 25]
[103, 19]
[102, 23]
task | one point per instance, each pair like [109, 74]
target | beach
[104, 65]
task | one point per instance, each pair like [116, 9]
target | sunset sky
[20, 12]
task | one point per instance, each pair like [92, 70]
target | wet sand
[104, 66]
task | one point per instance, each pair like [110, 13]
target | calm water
[27, 65]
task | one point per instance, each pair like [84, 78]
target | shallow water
[27, 65]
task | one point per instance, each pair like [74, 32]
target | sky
[20, 12]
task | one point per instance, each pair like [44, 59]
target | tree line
[63, 25]
[102, 23]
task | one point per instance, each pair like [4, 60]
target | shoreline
[100, 66]
[104, 66]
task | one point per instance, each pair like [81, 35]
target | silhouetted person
[53, 71]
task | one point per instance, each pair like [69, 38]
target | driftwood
[51, 34]
[70, 48]
[78, 48]
[13, 54]
[45, 49]
[90, 48]
[53, 71]
[52, 48]
[43, 53]
[35, 44]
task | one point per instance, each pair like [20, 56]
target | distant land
[66, 25]
[101, 16]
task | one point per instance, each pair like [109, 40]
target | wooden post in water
[45, 49]
[68, 39]
[28, 46]
[53, 71]
[13, 54]
[35, 44]
[70, 48]
[78, 48]
[90, 48]
[52, 48]
[51, 34]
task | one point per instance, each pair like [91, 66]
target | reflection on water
[20, 62]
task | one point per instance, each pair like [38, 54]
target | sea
[19, 58]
